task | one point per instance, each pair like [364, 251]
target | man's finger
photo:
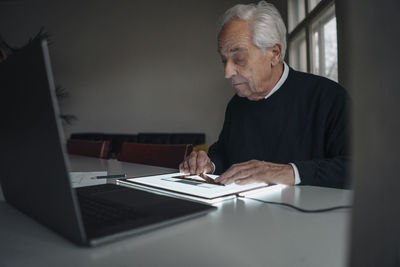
[203, 164]
[181, 167]
[235, 171]
[240, 175]
[248, 180]
[200, 165]
[192, 163]
[208, 168]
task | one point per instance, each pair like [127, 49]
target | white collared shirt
[283, 78]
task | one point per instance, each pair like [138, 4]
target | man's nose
[230, 70]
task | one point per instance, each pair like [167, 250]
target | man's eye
[223, 61]
[240, 61]
[239, 58]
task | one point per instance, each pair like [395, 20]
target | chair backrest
[168, 156]
[171, 138]
[116, 141]
[154, 138]
[97, 149]
[88, 136]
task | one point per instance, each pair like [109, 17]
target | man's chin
[241, 94]
[248, 95]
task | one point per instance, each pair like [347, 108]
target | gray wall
[131, 66]
[369, 35]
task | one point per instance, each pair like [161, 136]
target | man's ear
[276, 54]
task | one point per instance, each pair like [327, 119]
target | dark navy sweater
[305, 122]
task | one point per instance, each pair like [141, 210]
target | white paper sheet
[199, 189]
[80, 179]
[174, 194]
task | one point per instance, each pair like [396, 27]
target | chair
[97, 149]
[168, 156]
[88, 136]
[171, 138]
[154, 138]
[116, 141]
[188, 138]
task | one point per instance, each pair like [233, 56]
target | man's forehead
[238, 43]
[234, 36]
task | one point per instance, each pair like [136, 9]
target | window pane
[331, 49]
[296, 12]
[315, 52]
[324, 45]
[312, 4]
[298, 52]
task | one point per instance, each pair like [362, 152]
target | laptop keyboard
[97, 212]
[102, 217]
[111, 209]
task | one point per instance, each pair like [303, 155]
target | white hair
[267, 24]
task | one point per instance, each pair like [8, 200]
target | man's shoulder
[317, 91]
[316, 84]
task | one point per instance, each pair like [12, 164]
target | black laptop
[35, 168]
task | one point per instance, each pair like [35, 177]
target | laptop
[35, 167]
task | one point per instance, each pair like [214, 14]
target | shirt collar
[281, 80]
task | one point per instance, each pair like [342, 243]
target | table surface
[241, 232]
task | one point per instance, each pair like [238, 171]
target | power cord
[297, 208]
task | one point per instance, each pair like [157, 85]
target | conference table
[241, 232]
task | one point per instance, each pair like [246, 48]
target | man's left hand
[256, 171]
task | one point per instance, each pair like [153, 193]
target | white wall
[131, 66]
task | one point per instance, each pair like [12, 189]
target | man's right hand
[196, 163]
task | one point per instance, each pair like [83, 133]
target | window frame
[296, 41]
[306, 26]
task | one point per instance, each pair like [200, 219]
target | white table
[241, 232]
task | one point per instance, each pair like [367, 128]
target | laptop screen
[35, 174]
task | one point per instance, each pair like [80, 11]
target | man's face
[245, 64]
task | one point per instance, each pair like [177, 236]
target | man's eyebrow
[233, 50]
[238, 49]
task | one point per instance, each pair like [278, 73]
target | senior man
[282, 126]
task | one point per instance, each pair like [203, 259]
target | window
[298, 52]
[313, 37]
[324, 45]
[312, 4]
[296, 11]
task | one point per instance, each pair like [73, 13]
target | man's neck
[277, 72]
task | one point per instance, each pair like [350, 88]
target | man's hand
[254, 171]
[196, 163]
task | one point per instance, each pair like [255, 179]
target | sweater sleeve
[333, 170]
[217, 151]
